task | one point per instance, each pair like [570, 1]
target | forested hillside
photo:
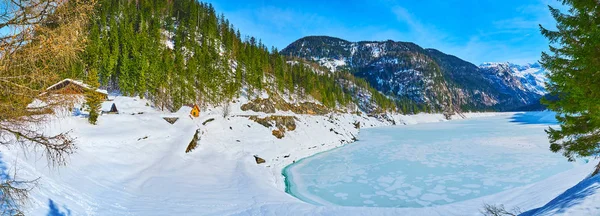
[180, 52]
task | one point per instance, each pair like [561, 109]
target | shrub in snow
[226, 110]
[499, 210]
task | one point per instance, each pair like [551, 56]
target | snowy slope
[581, 199]
[134, 163]
[331, 64]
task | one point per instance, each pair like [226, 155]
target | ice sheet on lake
[428, 164]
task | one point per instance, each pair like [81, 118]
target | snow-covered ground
[134, 163]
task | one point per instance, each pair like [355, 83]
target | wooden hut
[195, 111]
[113, 109]
[69, 86]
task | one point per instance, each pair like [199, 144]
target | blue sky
[475, 30]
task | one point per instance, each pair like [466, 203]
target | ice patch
[341, 195]
[434, 164]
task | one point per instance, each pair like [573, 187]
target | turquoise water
[428, 164]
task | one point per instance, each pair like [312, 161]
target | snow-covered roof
[36, 104]
[105, 107]
[103, 91]
[79, 83]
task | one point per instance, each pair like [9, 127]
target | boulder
[194, 142]
[259, 160]
[262, 121]
[274, 103]
[278, 133]
[310, 109]
[171, 120]
[281, 122]
[260, 105]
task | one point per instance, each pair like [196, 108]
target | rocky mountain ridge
[406, 71]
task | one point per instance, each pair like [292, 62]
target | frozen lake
[429, 164]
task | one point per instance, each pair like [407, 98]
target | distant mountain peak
[494, 64]
[320, 39]
[510, 64]
[532, 76]
[428, 77]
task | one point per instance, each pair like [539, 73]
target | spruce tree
[574, 78]
[93, 100]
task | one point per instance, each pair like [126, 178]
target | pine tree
[92, 98]
[575, 78]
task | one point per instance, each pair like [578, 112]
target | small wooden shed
[113, 109]
[195, 111]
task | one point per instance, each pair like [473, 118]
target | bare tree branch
[40, 39]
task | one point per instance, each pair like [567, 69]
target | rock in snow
[259, 160]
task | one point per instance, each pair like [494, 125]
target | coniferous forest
[181, 52]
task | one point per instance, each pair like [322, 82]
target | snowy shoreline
[366, 122]
[134, 163]
[518, 197]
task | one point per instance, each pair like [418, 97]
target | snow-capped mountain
[532, 76]
[406, 71]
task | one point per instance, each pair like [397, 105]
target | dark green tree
[92, 98]
[574, 62]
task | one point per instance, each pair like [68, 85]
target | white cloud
[420, 32]
[531, 16]
[501, 44]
